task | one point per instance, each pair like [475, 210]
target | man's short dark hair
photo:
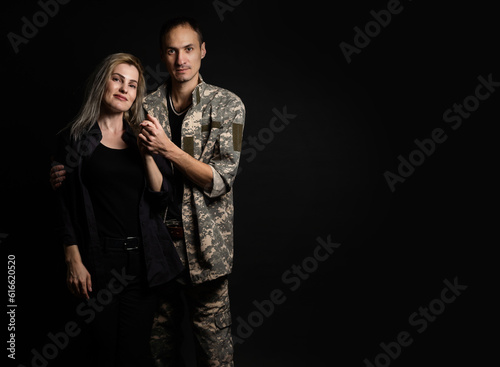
[174, 22]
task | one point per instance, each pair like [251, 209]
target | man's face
[182, 53]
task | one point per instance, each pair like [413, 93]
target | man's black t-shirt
[175, 120]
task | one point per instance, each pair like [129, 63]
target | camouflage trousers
[210, 319]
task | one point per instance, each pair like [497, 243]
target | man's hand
[57, 176]
[154, 139]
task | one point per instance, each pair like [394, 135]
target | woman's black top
[115, 181]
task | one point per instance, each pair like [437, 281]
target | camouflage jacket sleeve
[227, 150]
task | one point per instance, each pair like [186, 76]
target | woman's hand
[142, 148]
[78, 278]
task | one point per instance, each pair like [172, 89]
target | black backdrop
[321, 136]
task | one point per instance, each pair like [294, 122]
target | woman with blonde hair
[117, 250]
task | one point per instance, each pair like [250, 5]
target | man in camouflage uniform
[205, 159]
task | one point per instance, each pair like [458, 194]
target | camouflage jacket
[212, 132]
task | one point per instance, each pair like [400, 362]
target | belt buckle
[128, 240]
[175, 229]
[173, 223]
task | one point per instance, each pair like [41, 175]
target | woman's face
[121, 88]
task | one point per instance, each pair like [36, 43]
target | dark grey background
[321, 176]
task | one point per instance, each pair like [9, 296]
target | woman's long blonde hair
[91, 107]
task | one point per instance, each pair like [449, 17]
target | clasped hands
[152, 138]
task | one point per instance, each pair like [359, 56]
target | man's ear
[203, 50]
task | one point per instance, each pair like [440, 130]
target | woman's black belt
[128, 243]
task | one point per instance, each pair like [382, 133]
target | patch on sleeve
[198, 97]
[237, 137]
[188, 145]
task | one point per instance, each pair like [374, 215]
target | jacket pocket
[223, 319]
